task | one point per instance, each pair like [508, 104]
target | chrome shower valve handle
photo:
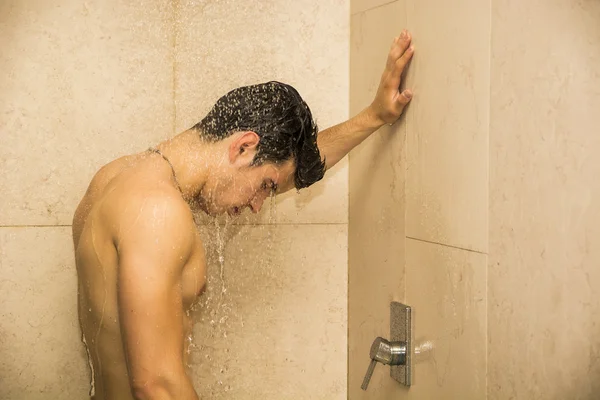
[387, 353]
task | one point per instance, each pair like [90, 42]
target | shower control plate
[400, 331]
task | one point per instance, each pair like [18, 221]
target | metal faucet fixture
[396, 352]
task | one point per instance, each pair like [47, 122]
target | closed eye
[270, 185]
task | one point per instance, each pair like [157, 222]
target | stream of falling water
[217, 308]
[214, 315]
[220, 236]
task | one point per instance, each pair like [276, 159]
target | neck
[192, 160]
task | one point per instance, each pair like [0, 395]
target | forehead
[279, 173]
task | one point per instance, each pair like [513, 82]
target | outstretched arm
[335, 142]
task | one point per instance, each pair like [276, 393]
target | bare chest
[193, 277]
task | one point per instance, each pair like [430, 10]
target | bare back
[100, 219]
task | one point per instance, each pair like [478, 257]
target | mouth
[234, 212]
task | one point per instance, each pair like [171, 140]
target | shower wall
[481, 211]
[422, 239]
[86, 82]
[376, 215]
[544, 240]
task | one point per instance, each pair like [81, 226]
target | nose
[256, 203]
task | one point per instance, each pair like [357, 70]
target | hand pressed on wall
[389, 102]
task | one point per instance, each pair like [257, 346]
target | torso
[97, 258]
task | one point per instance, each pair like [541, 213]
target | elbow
[150, 389]
[161, 387]
[145, 391]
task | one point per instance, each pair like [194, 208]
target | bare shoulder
[95, 192]
[149, 217]
[157, 213]
[135, 206]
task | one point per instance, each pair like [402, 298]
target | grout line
[407, 126]
[372, 8]
[34, 226]
[487, 269]
[174, 91]
[291, 223]
[446, 245]
[259, 224]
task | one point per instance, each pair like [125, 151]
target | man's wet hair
[282, 120]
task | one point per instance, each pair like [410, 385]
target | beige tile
[82, 83]
[279, 329]
[41, 355]
[446, 288]
[359, 6]
[447, 123]
[376, 255]
[544, 301]
[371, 36]
[223, 45]
[376, 220]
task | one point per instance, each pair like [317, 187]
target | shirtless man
[140, 260]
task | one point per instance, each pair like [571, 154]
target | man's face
[248, 187]
[237, 185]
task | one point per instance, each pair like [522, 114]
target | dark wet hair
[282, 120]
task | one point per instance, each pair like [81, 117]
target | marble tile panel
[82, 83]
[448, 123]
[41, 354]
[544, 275]
[446, 289]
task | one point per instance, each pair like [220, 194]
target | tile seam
[275, 224]
[174, 57]
[446, 245]
[352, 14]
[487, 265]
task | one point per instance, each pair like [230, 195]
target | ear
[243, 147]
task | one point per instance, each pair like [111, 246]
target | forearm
[335, 142]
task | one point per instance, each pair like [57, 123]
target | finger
[404, 97]
[396, 75]
[400, 44]
[398, 48]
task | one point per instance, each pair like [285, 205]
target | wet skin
[114, 201]
[129, 227]
[140, 261]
